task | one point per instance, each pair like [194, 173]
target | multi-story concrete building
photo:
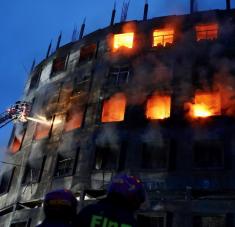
[153, 98]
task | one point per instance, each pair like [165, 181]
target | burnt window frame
[203, 66]
[52, 101]
[84, 84]
[73, 158]
[63, 58]
[39, 172]
[198, 223]
[88, 56]
[167, 146]
[6, 181]
[207, 143]
[103, 149]
[34, 85]
[114, 75]
[81, 85]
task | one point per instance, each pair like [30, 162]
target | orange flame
[123, 40]
[163, 37]
[114, 108]
[207, 31]
[206, 104]
[158, 107]
[16, 144]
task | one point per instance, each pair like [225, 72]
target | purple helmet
[129, 188]
[61, 204]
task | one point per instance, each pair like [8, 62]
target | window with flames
[207, 31]
[158, 107]
[114, 108]
[16, 139]
[163, 37]
[205, 104]
[123, 40]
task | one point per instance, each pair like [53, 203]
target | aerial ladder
[17, 113]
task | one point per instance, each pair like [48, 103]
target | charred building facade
[153, 98]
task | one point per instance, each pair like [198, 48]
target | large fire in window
[123, 40]
[114, 108]
[207, 31]
[206, 104]
[158, 107]
[163, 37]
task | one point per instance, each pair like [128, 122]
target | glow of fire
[16, 143]
[163, 36]
[114, 108]
[123, 40]
[201, 110]
[207, 31]
[206, 104]
[158, 107]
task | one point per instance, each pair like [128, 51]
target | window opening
[207, 31]
[123, 40]
[158, 107]
[163, 37]
[208, 154]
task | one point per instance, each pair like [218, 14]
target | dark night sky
[28, 26]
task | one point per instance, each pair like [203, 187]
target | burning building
[153, 98]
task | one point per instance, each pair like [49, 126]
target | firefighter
[124, 197]
[60, 209]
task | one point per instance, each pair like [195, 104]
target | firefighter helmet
[129, 188]
[60, 204]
